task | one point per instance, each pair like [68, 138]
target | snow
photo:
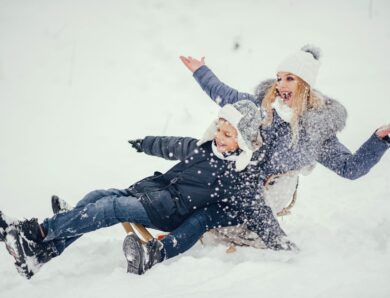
[80, 78]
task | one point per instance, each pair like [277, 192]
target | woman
[298, 130]
[301, 124]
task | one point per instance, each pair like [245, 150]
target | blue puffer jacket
[317, 135]
[198, 180]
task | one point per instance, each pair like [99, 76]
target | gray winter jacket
[317, 143]
[317, 135]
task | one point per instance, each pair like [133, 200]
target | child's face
[225, 137]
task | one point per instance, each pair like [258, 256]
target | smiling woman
[299, 129]
[287, 85]
[291, 95]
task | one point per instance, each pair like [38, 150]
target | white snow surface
[80, 78]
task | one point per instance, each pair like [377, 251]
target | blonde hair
[304, 99]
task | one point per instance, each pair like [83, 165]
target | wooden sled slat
[140, 230]
[128, 228]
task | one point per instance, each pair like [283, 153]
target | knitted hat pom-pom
[315, 51]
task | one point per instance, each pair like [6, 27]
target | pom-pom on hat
[304, 63]
[246, 118]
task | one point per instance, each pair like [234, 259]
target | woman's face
[286, 86]
[225, 137]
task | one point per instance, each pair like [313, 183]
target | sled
[239, 236]
[138, 229]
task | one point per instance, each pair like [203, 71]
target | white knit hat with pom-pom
[304, 63]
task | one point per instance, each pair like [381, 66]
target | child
[206, 175]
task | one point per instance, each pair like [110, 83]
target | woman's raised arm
[340, 160]
[221, 93]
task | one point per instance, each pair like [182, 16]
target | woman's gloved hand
[136, 144]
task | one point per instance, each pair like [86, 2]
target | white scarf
[231, 157]
[283, 110]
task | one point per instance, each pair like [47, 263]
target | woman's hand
[383, 131]
[191, 63]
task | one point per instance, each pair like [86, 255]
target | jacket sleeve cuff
[381, 143]
[387, 139]
[199, 73]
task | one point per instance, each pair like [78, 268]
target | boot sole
[2, 235]
[3, 227]
[132, 249]
[16, 250]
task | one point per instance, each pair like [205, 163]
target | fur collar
[283, 110]
[318, 124]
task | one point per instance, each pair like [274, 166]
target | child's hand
[136, 144]
[191, 63]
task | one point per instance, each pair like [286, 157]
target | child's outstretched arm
[221, 93]
[171, 148]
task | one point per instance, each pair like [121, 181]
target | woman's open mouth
[286, 95]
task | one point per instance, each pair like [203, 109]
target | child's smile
[225, 137]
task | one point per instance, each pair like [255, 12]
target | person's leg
[32, 244]
[104, 212]
[96, 195]
[188, 233]
[141, 257]
[91, 197]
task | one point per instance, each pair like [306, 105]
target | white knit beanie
[304, 63]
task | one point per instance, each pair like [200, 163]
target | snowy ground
[79, 78]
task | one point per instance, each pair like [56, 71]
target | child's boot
[24, 241]
[142, 256]
[5, 222]
[59, 205]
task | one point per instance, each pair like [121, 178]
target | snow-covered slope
[79, 78]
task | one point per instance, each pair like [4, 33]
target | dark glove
[136, 144]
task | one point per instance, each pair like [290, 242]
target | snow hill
[80, 78]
